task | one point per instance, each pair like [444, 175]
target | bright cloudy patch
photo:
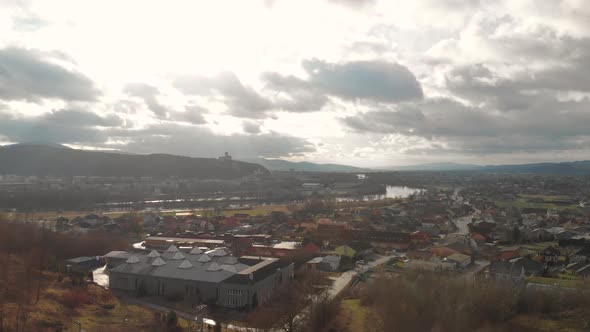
[369, 83]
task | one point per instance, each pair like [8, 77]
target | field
[568, 283]
[540, 201]
[355, 317]
[262, 210]
[62, 305]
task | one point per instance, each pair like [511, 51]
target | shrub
[75, 298]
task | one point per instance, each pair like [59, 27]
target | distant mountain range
[44, 159]
[435, 167]
[304, 166]
[53, 159]
[562, 168]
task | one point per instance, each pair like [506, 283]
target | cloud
[251, 127]
[62, 126]
[86, 128]
[549, 125]
[241, 100]
[149, 95]
[194, 115]
[201, 142]
[294, 94]
[379, 81]
[354, 3]
[363, 81]
[32, 75]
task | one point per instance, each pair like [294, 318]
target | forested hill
[37, 159]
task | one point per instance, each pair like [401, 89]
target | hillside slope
[33, 159]
[304, 166]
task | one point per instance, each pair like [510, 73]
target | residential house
[515, 270]
[461, 261]
[581, 255]
[85, 263]
[328, 263]
[584, 271]
[550, 255]
[508, 253]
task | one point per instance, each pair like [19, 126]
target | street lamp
[198, 317]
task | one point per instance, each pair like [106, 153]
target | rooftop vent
[214, 267]
[196, 251]
[172, 248]
[132, 260]
[158, 262]
[185, 265]
[178, 255]
[204, 258]
[153, 254]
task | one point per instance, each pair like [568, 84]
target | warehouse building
[202, 277]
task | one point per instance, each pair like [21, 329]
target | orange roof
[442, 251]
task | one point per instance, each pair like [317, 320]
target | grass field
[568, 283]
[355, 317]
[95, 308]
[262, 210]
[525, 203]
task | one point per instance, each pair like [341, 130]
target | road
[344, 279]
[462, 223]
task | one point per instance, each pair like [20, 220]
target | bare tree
[290, 307]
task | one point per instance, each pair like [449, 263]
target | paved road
[462, 222]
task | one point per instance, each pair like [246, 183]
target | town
[224, 266]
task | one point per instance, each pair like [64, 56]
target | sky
[360, 82]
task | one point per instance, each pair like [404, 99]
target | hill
[562, 168]
[436, 167]
[304, 166]
[38, 159]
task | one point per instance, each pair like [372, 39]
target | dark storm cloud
[241, 100]
[368, 81]
[30, 75]
[149, 95]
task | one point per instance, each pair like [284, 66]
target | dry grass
[426, 302]
[103, 311]
[358, 318]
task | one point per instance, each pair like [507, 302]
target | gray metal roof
[215, 270]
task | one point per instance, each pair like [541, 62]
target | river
[390, 192]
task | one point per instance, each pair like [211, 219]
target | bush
[75, 298]
[426, 302]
